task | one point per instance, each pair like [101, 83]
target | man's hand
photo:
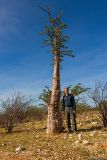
[74, 112]
[63, 112]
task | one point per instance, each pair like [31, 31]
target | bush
[81, 107]
[36, 113]
[99, 95]
[102, 108]
[13, 111]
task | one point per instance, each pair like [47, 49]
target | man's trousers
[70, 113]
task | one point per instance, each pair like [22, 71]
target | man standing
[70, 110]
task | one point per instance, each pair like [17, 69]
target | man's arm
[63, 104]
[74, 104]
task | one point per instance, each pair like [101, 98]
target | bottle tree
[56, 39]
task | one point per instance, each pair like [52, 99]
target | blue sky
[25, 65]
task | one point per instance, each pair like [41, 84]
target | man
[70, 109]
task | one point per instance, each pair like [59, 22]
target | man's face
[66, 90]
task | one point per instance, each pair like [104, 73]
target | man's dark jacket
[69, 101]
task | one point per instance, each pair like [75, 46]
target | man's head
[66, 90]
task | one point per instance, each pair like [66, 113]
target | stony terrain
[29, 141]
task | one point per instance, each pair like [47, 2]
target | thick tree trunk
[54, 121]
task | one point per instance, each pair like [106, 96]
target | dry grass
[63, 146]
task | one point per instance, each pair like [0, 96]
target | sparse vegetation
[99, 95]
[29, 140]
[39, 146]
[18, 109]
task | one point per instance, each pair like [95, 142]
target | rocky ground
[29, 141]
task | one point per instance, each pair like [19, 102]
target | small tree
[99, 95]
[45, 96]
[76, 90]
[13, 111]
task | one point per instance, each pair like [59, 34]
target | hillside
[29, 141]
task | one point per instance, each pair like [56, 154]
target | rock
[20, 148]
[100, 132]
[85, 142]
[79, 136]
[93, 133]
[65, 136]
[37, 136]
[3, 144]
[80, 124]
[70, 136]
[96, 144]
[93, 123]
[87, 117]
[76, 142]
[38, 150]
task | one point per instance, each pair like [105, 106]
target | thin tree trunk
[104, 116]
[54, 121]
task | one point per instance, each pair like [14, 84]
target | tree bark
[54, 120]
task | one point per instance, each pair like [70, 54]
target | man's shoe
[74, 130]
[69, 130]
[63, 128]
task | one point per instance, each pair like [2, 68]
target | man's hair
[66, 88]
